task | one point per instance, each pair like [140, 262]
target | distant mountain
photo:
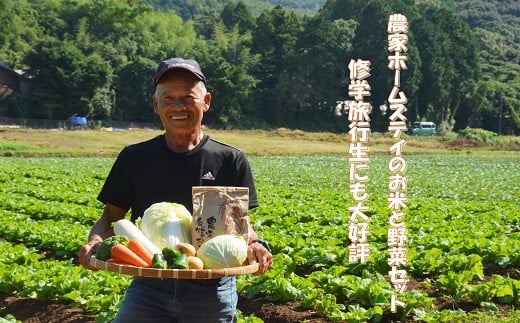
[187, 9]
[496, 24]
[499, 16]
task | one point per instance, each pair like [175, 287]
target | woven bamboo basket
[174, 273]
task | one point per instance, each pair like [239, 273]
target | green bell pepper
[158, 261]
[181, 262]
[170, 255]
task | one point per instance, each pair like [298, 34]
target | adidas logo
[208, 176]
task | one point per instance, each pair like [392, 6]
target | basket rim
[173, 273]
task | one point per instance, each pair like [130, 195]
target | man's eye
[167, 102]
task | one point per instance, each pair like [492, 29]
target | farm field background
[462, 218]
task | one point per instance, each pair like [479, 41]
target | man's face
[180, 100]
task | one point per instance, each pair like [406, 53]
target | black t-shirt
[148, 172]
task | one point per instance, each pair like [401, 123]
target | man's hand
[86, 252]
[101, 230]
[256, 252]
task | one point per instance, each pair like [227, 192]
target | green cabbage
[166, 224]
[223, 251]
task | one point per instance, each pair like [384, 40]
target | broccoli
[105, 247]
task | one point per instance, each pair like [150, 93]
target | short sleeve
[117, 189]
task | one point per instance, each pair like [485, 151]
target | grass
[281, 142]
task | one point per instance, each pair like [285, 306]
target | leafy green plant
[501, 289]
[462, 215]
[480, 135]
[454, 284]
[9, 319]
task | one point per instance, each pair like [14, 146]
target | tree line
[97, 58]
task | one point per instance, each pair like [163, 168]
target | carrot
[122, 253]
[139, 249]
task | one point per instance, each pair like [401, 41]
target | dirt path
[30, 310]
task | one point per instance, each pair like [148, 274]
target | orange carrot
[122, 253]
[139, 249]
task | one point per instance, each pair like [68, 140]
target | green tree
[107, 27]
[316, 77]
[19, 29]
[227, 62]
[500, 64]
[205, 24]
[237, 15]
[161, 35]
[450, 66]
[371, 43]
[495, 107]
[274, 39]
[65, 80]
[187, 9]
[98, 57]
[134, 91]
[99, 43]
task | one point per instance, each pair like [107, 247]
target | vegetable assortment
[161, 239]
[119, 250]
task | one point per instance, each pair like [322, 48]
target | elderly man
[165, 168]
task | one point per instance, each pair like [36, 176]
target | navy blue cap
[189, 65]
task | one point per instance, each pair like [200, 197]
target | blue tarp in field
[79, 121]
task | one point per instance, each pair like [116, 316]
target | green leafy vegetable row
[462, 217]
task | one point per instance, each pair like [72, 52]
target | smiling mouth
[178, 117]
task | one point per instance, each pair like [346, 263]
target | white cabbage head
[166, 224]
[223, 251]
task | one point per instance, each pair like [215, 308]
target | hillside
[266, 70]
[188, 9]
[497, 26]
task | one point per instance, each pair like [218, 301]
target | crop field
[463, 220]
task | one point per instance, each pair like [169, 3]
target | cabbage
[166, 224]
[223, 251]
